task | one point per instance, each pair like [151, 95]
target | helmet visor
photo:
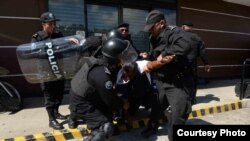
[128, 55]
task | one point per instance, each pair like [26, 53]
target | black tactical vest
[79, 84]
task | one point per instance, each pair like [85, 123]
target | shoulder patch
[107, 70]
[34, 35]
[109, 85]
[171, 27]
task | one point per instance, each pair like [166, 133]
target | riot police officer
[97, 43]
[172, 79]
[54, 90]
[123, 28]
[93, 97]
[197, 50]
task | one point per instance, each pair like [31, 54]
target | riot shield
[51, 59]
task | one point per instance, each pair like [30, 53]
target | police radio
[50, 60]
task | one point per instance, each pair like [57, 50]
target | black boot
[59, 116]
[193, 101]
[152, 128]
[72, 123]
[53, 123]
[95, 136]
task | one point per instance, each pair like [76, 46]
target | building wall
[18, 21]
[224, 27]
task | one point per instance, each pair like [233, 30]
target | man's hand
[165, 59]
[153, 65]
[74, 40]
[144, 54]
[207, 68]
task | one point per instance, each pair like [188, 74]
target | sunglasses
[123, 30]
[50, 23]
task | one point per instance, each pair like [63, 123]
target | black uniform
[126, 25]
[173, 80]
[93, 96]
[197, 50]
[54, 90]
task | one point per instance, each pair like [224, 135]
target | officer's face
[156, 29]
[124, 31]
[49, 27]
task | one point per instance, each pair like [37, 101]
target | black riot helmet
[116, 50]
[114, 34]
[48, 17]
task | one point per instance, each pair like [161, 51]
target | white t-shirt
[141, 64]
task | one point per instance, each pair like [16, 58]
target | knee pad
[101, 134]
[107, 129]
[96, 136]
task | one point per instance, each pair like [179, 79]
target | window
[70, 13]
[170, 15]
[101, 19]
[136, 20]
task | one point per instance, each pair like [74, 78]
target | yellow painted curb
[56, 135]
[213, 109]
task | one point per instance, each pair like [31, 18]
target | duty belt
[169, 77]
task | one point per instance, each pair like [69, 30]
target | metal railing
[242, 89]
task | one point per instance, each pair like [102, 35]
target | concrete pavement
[214, 97]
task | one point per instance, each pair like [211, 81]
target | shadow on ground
[197, 121]
[36, 102]
[161, 135]
[207, 98]
[135, 134]
[33, 102]
[214, 83]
